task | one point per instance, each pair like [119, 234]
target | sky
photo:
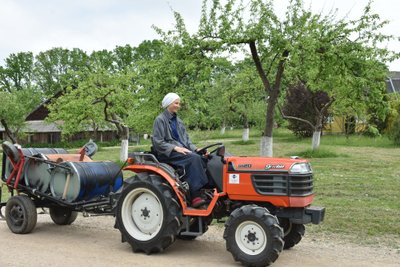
[40, 25]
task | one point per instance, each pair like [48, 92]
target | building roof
[41, 112]
[40, 126]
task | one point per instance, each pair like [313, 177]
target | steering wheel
[203, 150]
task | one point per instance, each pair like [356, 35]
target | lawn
[357, 179]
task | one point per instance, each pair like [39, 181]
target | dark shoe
[198, 202]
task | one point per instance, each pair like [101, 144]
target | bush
[241, 142]
[301, 102]
[394, 133]
[371, 131]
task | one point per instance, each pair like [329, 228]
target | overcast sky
[39, 25]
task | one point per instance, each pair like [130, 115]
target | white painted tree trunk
[266, 146]
[223, 130]
[124, 150]
[246, 134]
[316, 140]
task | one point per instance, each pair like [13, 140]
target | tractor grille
[283, 184]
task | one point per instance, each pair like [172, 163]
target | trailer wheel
[62, 216]
[21, 215]
[148, 215]
[292, 233]
[253, 236]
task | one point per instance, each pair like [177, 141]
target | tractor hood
[267, 164]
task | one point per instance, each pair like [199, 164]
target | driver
[172, 145]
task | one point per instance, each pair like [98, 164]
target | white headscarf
[169, 99]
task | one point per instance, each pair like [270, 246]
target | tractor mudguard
[167, 173]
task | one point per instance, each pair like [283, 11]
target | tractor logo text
[278, 166]
[244, 165]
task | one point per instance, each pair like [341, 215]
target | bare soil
[94, 242]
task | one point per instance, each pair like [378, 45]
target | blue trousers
[194, 168]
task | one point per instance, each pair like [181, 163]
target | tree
[343, 59]
[115, 90]
[18, 93]
[234, 25]
[306, 110]
[57, 68]
[168, 67]
[233, 95]
[102, 99]
[220, 109]
[276, 45]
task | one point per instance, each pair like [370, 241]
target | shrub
[241, 142]
[300, 102]
[371, 131]
[394, 133]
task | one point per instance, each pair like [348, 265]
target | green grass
[319, 153]
[357, 179]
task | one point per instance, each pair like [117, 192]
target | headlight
[300, 168]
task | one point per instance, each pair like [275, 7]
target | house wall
[43, 138]
[337, 125]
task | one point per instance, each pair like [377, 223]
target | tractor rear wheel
[148, 214]
[21, 215]
[292, 233]
[62, 216]
[253, 236]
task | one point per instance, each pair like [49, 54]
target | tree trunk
[317, 130]
[266, 140]
[124, 144]
[246, 133]
[273, 92]
[266, 146]
[246, 129]
[123, 156]
[9, 133]
[223, 127]
[316, 140]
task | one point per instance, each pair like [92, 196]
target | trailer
[52, 178]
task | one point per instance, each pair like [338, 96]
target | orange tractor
[265, 203]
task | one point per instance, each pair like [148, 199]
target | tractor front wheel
[253, 236]
[148, 215]
[21, 215]
[292, 233]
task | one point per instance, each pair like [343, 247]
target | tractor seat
[172, 168]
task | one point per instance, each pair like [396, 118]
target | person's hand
[182, 150]
[205, 154]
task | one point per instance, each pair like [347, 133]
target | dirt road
[94, 242]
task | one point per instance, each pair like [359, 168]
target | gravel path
[94, 242]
